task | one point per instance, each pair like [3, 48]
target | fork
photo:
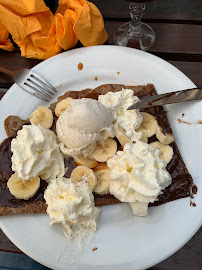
[32, 82]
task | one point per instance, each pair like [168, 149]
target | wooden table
[178, 28]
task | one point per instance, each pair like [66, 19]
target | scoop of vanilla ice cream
[138, 174]
[36, 152]
[117, 103]
[73, 206]
[81, 125]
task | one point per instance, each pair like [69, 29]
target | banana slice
[83, 173]
[100, 166]
[62, 106]
[144, 139]
[120, 134]
[139, 208]
[103, 179]
[42, 116]
[164, 138]
[23, 189]
[166, 151]
[148, 126]
[88, 162]
[105, 150]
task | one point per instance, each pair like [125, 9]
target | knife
[168, 98]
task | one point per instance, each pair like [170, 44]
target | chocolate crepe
[181, 179]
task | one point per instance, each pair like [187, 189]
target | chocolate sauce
[194, 189]
[70, 166]
[53, 127]
[80, 66]
[5, 157]
[181, 179]
[192, 204]
[12, 124]
[184, 122]
[199, 122]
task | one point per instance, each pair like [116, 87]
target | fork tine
[43, 82]
[45, 86]
[39, 96]
[39, 87]
[33, 92]
[34, 84]
[37, 92]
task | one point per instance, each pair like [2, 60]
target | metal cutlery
[168, 98]
[32, 82]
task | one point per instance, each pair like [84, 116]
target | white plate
[122, 240]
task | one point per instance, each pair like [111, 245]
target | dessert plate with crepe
[122, 240]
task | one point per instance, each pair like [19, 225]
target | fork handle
[9, 72]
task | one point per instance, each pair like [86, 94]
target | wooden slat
[172, 41]
[187, 10]
[158, 9]
[13, 61]
[191, 69]
[170, 38]
[1, 94]
[177, 38]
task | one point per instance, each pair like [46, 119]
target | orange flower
[5, 42]
[40, 34]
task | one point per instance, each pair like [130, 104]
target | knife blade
[168, 98]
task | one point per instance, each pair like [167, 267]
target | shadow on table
[13, 261]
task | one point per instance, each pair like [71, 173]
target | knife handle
[179, 96]
[168, 98]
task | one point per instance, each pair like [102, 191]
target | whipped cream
[73, 206]
[36, 152]
[137, 173]
[117, 103]
[139, 208]
[81, 125]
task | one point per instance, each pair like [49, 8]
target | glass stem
[136, 12]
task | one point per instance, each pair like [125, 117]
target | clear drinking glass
[135, 34]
